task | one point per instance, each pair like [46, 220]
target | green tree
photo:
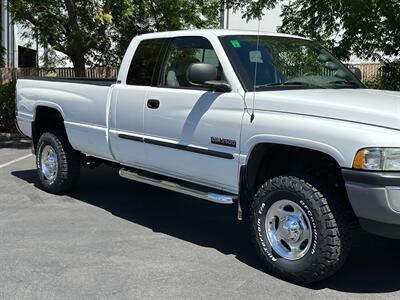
[138, 17]
[73, 27]
[97, 32]
[366, 28]
[389, 78]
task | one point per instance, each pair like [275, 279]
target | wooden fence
[6, 75]
[369, 71]
[98, 72]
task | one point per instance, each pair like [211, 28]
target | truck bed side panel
[83, 107]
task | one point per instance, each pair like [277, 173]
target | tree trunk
[79, 63]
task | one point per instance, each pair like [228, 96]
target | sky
[269, 22]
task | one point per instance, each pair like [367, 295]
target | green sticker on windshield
[235, 43]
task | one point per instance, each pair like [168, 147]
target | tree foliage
[390, 76]
[366, 28]
[138, 17]
[74, 27]
[97, 32]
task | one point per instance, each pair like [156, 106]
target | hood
[374, 107]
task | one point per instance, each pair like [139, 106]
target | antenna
[255, 71]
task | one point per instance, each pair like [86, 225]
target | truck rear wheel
[300, 230]
[58, 164]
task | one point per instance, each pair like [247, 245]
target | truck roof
[216, 32]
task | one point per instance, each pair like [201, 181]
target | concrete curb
[10, 136]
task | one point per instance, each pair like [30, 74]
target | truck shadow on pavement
[21, 143]
[372, 266]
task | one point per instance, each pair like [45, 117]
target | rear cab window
[145, 62]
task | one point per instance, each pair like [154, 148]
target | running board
[181, 187]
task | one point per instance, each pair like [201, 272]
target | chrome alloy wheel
[288, 229]
[49, 163]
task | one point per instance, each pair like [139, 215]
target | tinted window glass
[144, 62]
[181, 54]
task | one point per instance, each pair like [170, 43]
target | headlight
[378, 159]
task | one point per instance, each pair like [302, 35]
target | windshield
[282, 62]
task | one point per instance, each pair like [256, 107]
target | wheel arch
[264, 139]
[267, 160]
[48, 105]
[287, 157]
[47, 116]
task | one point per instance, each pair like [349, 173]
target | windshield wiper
[346, 82]
[292, 83]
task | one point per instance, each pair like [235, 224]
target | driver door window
[182, 53]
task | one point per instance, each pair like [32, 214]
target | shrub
[2, 52]
[7, 107]
[374, 84]
[388, 79]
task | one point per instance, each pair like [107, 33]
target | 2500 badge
[223, 142]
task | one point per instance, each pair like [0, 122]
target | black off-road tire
[68, 161]
[330, 224]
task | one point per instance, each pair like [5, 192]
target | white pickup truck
[272, 123]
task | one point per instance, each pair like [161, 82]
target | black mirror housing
[198, 73]
[201, 74]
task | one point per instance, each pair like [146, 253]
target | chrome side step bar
[181, 187]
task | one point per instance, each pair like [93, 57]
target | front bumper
[375, 198]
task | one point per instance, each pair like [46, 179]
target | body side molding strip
[131, 137]
[177, 146]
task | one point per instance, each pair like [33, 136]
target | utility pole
[224, 16]
[37, 49]
[37, 44]
[4, 31]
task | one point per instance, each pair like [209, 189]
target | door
[126, 128]
[192, 133]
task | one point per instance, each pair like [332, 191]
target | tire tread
[335, 236]
[68, 162]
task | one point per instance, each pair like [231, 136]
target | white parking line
[15, 160]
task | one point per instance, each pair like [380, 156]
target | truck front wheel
[58, 164]
[300, 229]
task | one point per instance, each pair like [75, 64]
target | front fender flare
[296, 142]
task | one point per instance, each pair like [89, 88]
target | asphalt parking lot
[113, 238]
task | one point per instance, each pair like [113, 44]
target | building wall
[11, 38]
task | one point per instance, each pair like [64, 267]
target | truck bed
[82, 103]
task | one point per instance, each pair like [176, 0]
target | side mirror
[200, 74]
[357, 72]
